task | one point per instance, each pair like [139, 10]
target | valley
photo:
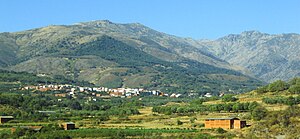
[101, 79]
[32, 104]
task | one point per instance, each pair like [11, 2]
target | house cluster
[125, 92]
[92, 93]
[44, 88]
[208, 95]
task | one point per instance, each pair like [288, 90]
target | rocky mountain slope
[268, 57]
[119, 55]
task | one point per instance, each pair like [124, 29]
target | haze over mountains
[133, 55]
[268, 57]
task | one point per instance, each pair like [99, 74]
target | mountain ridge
[238, 52]
[175, 65]
[266, 56]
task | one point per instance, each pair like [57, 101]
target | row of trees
[26, 107]
[56, 133]
[257, 112]
[226, 107]
[292, 86]
[282, 100]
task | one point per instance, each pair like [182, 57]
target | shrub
[179, 122]
[294, 89]
[221, 130]
[192, 120]
[277, 86]
[259, 113]
[229, 98]
[201, 125]
[262, 90]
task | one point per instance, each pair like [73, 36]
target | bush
[4, 135]
[201, 125]
[278, 86]
[229, 98]
[192, 120]
[294, 81]
[221, 130]
[179, 122]
[259, 113]
[194, 125]
[262, 90]
[294, 89]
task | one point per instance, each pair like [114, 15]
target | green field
[274, 107]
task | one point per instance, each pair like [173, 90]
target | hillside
[268, 57]
[160, 45]
[10, 80]
[120, 55]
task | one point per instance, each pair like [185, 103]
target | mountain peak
[102, 21]
[245, 34]
[97, 23]
[251, 33]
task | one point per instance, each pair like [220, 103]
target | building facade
[225, 123]
[4, 119]
[68, 125]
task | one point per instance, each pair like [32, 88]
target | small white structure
[178, 95]
[208, 95]
[81, 89]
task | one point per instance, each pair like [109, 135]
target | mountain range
[133, 55]
[267, 57]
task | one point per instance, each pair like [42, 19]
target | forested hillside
[110, 55]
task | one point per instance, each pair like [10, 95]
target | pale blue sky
[197, 19]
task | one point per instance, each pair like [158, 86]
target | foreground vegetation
[98, 133]
[272, 112]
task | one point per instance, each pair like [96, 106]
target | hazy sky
[197, 19]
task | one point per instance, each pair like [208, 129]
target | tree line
[225, 107]
[282, 100]
[292, 86]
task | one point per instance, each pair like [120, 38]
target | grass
[137, 80]
[149, 123]
[4, 130]
[253, 96]
[109, 132]
[7, 125]
[149, 120]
